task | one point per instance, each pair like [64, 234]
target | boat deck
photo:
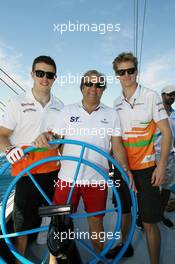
[139, 241]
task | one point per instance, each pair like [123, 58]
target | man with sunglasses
[85, 121]
[19, 126]
[168, 97]
[140, 111]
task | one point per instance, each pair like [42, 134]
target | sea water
[5, 178]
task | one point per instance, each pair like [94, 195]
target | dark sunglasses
[97, 85]
[122, 72]
[41, 74]
[171, 94]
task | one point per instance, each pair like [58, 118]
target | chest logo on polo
[27, 104]
[74, 119]
[104, 121]
[28, 107]
[29, 110]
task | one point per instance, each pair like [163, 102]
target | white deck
[139, 241]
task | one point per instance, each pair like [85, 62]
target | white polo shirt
[96, 128]
[158, 135]
[24, 115]
[138, 119]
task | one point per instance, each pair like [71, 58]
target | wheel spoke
[76, 173]
[27, 232]
[79, 160]
[39, 188]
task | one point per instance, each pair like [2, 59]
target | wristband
[9, 148]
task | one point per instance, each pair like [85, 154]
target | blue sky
[27, 30]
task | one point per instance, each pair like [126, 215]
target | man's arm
[13, 153]
[5, 133]
[42, 140]
[120, 155]
[158, 176]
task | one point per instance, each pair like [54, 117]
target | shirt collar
[101, 105]
[134, 96]
[31, 97]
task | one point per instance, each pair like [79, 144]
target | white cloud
[158, 72]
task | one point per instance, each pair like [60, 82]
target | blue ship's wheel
[79, 160]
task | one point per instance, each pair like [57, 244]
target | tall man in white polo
[140, 111]
[19, 126]
[85, 121]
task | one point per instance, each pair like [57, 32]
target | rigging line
[141, 45]
[12, 80]
[1, 109]
[9, 86]
[2, 103]
[134, 32]
[137, 12]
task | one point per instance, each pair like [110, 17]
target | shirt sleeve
[117, 125]
[159, 112]
[172, 124]
[9, 119]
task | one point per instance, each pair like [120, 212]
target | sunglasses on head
[41, 74]
[122, 72]
[97, 85]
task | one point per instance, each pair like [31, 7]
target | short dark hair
[124, 57]
[46, 59]
[93, 72]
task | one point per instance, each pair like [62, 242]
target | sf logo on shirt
[74, 118]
